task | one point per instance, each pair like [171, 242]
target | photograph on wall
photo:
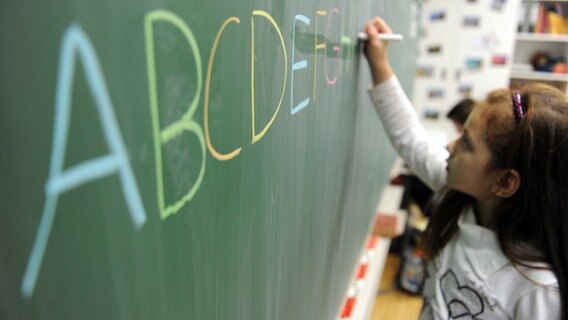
[431, 113]
[436, 93]
[499, 60]
[471, 21]
[473, 64]
[425, 72]
[443, 74]
[458, 74]
[437, 15]
[481, 42]
[434, 49]
[465, 89]
[498, 5]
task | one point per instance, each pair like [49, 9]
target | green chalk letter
[186, 123]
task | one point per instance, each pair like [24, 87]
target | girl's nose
[452, 147]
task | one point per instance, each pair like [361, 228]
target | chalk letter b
[186, 123]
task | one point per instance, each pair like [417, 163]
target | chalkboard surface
[187, 159]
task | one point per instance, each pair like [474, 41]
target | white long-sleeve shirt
[471, 278]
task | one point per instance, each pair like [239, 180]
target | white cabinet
[529, 43]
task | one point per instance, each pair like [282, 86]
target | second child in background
[458, 113]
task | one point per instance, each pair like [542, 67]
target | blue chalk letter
[76, 43]
[297, 66]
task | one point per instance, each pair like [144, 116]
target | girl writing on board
[497, 241]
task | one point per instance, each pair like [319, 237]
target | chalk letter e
[75, 42]
[303, 64]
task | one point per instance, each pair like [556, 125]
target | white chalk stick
[383, 36]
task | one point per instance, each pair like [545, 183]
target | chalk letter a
[76, 43]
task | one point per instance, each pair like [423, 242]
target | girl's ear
[507, 184]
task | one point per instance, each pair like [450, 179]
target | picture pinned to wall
[481, 42]
[434, 49]
[499, 60]
[473, 64]
[436, 93]
[425, 72]
[471, 21]
[465, 90]
[437, 16]
[498, 5]
[443, 74]
[431, 113]
[496, 40]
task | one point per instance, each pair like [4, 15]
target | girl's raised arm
[424, 156]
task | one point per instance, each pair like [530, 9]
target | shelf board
[543, 37]
[542, 76]
[543, 1]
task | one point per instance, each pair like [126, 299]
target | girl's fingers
[374, 27]
[372, 32]
[381, 25]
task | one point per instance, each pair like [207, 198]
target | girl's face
[469, 161]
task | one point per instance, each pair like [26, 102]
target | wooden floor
[391, 303]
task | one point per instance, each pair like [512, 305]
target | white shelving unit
[542, 37]
[527, 44]
[538, 76]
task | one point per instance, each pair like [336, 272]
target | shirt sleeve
[540, 304]
[423, 155]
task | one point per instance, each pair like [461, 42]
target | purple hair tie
[518, 106]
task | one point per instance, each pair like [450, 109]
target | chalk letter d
[256, 137]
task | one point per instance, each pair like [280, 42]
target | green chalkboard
[187, 159]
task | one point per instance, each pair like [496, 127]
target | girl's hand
[376, 50]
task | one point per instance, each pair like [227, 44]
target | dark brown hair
[461, 110]
[531, 225]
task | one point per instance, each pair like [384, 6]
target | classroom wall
[468, 62]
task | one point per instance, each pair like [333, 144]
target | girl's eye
[464, 144]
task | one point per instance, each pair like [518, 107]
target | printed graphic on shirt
[462, 301]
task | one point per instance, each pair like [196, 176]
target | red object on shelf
[372, 243]
[397, 181]
[388, 225]
[362, 271]
[348, 308]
